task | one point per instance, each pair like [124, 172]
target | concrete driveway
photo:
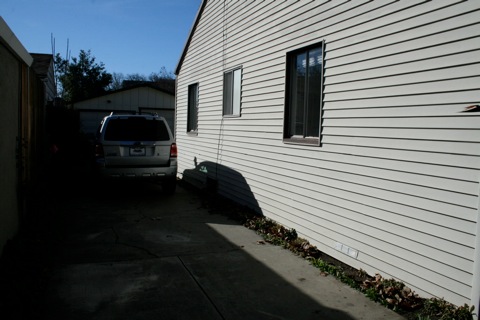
[127, 251]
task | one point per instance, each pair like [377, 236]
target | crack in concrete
[201, 288]
[117, 241]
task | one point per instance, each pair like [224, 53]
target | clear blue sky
[128, 36]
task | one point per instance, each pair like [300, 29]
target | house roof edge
[145, 84]
[190, 35]
[10, 39]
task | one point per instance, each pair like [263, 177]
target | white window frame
[291, 105]
[192, 108]
[232, 92]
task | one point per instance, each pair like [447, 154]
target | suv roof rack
[126, 112]
[155, 114]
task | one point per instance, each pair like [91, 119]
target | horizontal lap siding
[397, 175]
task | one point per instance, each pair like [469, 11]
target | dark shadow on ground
[210, 176]
[126, 231]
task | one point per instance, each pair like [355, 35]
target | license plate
[139, 151]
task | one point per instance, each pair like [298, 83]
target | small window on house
[192, 117]
[232, 92]
[304, 90]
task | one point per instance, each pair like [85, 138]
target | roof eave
[190, 35]
[11, 41]
[106, 93]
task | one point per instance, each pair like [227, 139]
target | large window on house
[232, 92]
[304, 90]
[192, 116]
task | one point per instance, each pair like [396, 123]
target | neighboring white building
[141, 97]
[347, 121]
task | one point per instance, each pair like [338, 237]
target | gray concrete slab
[142, 289]
[131, 252]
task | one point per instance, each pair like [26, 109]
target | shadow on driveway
[128, 251]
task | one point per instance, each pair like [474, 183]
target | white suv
[137, 147]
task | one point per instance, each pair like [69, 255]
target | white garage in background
[153, 97]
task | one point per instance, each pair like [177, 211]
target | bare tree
[163, 74]
[117, 81]
[136, 77]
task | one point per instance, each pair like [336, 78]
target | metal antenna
[52, 42]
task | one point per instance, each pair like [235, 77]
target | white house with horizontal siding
[354, 122]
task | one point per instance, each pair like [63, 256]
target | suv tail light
[99, 151]
[173, 150]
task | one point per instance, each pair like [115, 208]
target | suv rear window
[136, 129]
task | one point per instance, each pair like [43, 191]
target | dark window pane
[314, 92]
[228, 93]
[192, 119]
[297, 94]
[136, 129]
[305, 76]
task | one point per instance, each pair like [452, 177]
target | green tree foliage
[81, 78]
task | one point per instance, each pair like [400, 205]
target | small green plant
[392, 293]
[291, 235]
[372, 294]
[389, 292]
[443, 310]
[272, 232]
[335, 271]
